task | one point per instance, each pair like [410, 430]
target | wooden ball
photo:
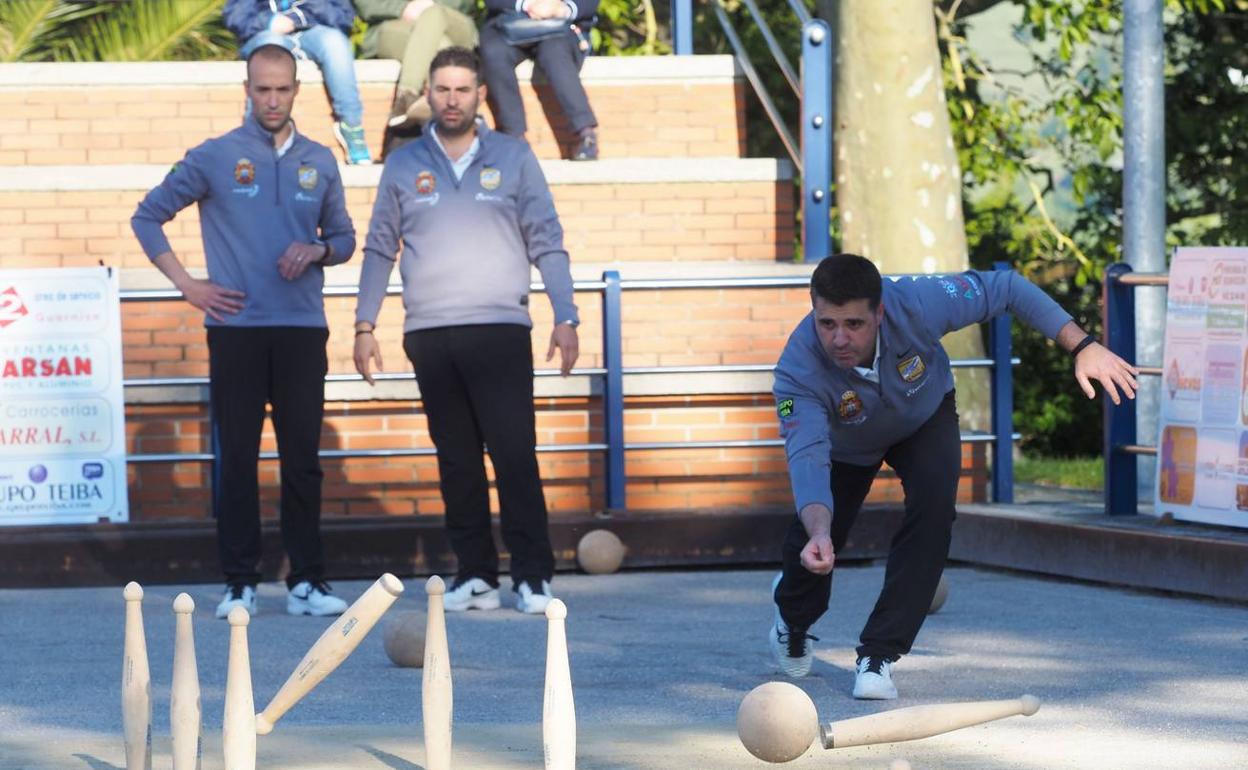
[600, 552]
[777, 722]
[404, 639]
[942, 593]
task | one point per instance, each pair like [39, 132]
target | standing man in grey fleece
[472, 213]
[864, 379]
[273, 215]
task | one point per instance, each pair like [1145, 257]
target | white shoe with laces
[875, 679]
[791, 647]
[237, 596]
[471, 594]
[314, 597]
[533, 602]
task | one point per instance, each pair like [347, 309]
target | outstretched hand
[1097, 362]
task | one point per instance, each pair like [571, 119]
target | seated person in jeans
[413, 31]
[559, 56]
[316, 30]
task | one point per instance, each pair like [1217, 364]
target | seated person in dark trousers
[864, 380]
[413, 31]
[559, 56]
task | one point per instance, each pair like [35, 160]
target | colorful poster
[62, 413]
[1202, 447]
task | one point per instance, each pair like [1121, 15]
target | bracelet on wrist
[1088, 340]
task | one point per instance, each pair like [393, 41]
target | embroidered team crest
[244, 171]
[307, 177]
[850, 407]
[491, 178]
[911, 369]
[425, 183]
[785, 408]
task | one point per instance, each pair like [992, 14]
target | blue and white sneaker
[353, 144]
[471, 594]
[532, 598]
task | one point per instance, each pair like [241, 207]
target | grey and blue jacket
[252, 206]
[832, 414]
[467, 245]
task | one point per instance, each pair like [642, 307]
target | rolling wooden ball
[777, 722]
[404, 639]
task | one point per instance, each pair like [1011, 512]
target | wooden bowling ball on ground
[600, 552]
[777, 722]
[404, 639]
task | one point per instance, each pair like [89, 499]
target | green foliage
[138, 30]
[1068, 472]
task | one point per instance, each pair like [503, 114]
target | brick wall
[50, 124]
[608, 222]
[671, 479]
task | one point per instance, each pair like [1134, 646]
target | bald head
[271, 87]
[271, 54]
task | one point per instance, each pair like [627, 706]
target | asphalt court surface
[660, 662]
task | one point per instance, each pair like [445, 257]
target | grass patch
[1068, 472]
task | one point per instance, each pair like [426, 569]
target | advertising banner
[62, 415]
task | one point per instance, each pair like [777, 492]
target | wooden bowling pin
[558, 710]
[437, 700]
[136, 680]
[914, 722]
[239, 722]
[184, 705]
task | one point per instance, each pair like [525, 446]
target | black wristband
[358, 332]
[1088, 340]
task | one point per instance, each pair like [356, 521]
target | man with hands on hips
[863, 380]
[272, 216]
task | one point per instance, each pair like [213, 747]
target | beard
[461, 124]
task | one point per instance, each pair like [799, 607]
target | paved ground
[660, 661]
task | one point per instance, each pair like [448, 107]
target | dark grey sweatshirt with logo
[467, 245]
[252, 206]
[828, 413]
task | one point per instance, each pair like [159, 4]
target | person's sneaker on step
[587, 145]
[470, 594]
[314, 597]
[875, 679]
[791, 646]
[410, 108]
[237, 596]
[353, 144]
[532, 596]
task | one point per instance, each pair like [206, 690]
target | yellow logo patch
[911, 369]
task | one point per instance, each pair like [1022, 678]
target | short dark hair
[271, 52]
[843, 278]
[456, 56]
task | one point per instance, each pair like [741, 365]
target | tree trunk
[898, 184]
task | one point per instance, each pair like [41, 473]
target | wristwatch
[571, 323]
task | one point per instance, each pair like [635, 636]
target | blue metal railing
[813, 87]
[1120, 447]
[612, 375]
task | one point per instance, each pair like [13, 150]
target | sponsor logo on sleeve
[784, 408]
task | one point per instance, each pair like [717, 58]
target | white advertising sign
[1202, 446]
[62, 413]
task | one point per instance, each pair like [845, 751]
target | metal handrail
[612, 376]
[1119, 446]
[773, 44]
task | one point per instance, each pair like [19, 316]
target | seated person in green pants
[413, 31]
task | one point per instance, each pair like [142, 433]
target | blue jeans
[331, 50]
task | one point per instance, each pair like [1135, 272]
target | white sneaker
[314, 597]
[791, 647]
[237, 596]
[472, 594]
[532, 602]
[875, 679]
